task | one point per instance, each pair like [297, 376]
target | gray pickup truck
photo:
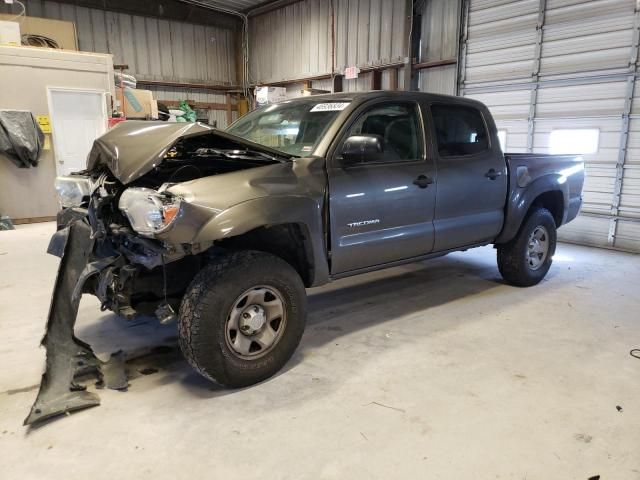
[224, 230]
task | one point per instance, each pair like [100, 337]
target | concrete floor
[433, 370]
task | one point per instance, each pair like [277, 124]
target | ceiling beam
[269, 6]
[167, 10]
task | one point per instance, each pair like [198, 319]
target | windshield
[292, 127]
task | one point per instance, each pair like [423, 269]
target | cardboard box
[64, 33]
[267, 95]
[139, 103]
[9, 33]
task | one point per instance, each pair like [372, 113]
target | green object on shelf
[189, 113]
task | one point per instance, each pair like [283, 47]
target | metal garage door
[544, 65]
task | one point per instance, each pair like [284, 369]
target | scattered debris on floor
[635, 353]
[619, 408]
[581, 437]
[116, 374]
[386, 406]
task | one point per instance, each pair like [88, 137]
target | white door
[78, 117]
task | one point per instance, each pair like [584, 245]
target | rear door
[472, 176]
[382, 211]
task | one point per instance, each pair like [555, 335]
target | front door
[78, 117]
[382, 210]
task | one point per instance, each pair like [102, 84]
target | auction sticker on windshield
[330, 107]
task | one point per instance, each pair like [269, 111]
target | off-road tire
[512, 260]
[207, 302]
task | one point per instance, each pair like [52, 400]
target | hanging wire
[246, 85]
[34, 40]
[21, 14]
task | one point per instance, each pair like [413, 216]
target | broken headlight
[72, 190]
[148, 211]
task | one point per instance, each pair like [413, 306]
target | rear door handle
[423, 181]
[492, 174]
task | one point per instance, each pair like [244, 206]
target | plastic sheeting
[21, 139]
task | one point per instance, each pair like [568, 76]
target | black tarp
[21, 139]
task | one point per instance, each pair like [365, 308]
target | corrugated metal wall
[439, 41]
[154, 49]
[543, 65]
[294, 42]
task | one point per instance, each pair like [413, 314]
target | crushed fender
[67, 356]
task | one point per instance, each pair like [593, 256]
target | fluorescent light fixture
[580, 141]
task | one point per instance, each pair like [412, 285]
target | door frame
[50, 90]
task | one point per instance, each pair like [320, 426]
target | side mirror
[361, 148]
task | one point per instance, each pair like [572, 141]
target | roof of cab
[372, 94]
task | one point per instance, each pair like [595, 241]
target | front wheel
[242, 318]
[526, 259]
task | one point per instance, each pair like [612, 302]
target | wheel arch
[288, 227]
[549, 192]
[288, 241]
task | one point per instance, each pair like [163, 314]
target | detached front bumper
[67, 216]
[128, 274]
[67, 356]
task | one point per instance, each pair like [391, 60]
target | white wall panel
[440, 80]
[516, 135]
[586, 55]
[628, 235]
[500, 42]
[508, 105]
[630, 195]
[586, 230]
[600, 99]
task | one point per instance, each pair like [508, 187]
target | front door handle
[492, 174]
[423, 181]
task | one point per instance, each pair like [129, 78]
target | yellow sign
[47, 143]
[44, 122]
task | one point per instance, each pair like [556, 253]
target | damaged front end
[109, 243]
[125, 272]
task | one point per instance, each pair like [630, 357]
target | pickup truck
[223, 230]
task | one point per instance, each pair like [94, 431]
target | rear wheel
[242, 318]
[526, 259]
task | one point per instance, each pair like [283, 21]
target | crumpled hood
[132, 148]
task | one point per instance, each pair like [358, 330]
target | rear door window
[460, 130]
